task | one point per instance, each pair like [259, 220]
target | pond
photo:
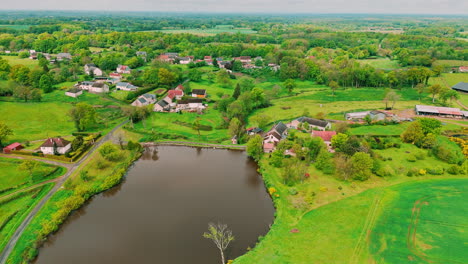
[161, 210]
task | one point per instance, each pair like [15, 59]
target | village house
[74, 92]
[168, 57]
[463, 69]
[86, 85]
[161, 106]
[55, 145]
[125, 86]
[274, 67]
[145, 99]
[199, 93]
[177, 94]
[311, 123]
[253, 131]
[92, 69]
[141, 54]
[98, 87]
[326, 136]
[224, 64]
[244, 59]
[33, 54]
[107, 80]
[461, 87]
[123, 69]
[12, 147]
[208, 60]
[64, 56]
[186, 60]
[190, 105]
[180, 87]
[275, 135]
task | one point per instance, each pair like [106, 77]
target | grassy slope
[15, 210]
[11, 176]
[449, 79]
[14, 60]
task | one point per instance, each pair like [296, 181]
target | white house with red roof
[326, 136]
[177, 94]
[61, 146]
[463, 69]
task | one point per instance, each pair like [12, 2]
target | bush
[455, 170]
[411, 158]
[420, 155]
[412, 172]
[438, 170]
[385, 171]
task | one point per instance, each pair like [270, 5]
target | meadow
[11, 177]
[15, 60]
[381, 63]
[449, 79]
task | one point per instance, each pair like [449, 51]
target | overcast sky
[251, 6]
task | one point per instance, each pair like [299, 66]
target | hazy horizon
[376, 7]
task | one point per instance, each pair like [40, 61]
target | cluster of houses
[174, 102]
[33, 55]
[317, 128]
[51, 146]
[247, 61]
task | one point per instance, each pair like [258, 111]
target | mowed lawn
[15, 60]
[33, 121]
[425, 223]
[449, 79]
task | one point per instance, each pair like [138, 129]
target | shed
[11, 147]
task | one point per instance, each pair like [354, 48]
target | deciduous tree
[221, 237]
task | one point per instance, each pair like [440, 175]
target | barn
[11, 147]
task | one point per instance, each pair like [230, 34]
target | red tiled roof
[325, 135]
[59, 142]
[180, 87]
[268, 145]
[12, 146]
[173, 93]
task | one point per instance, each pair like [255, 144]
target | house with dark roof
[145, 99]
[199, 93]
[125, 86]
[461, 87]
[55, 145]
[311, 123]
[277, 133]
[92, 68]
[253, 131]
[161, 106]
[74, 92]
[99, 87]
[194, 104]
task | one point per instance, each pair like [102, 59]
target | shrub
[411, 158]
[422, 172]
[292, 191]
[438, 170]
[412, 172]
[420, 155]
[385, 171]
[455, 170]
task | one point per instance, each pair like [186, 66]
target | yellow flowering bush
[422, 172]
[271, 190]
[323, 189]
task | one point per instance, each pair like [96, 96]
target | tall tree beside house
[237, 91]
[221, 237]
[46, 83]
[435, 89]
[83, 115]
[333, 85]
[255, 147]
[29, 166]
[5, 131]
[166, 77]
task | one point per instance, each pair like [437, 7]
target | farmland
[381, 63]
[449, 79]
[15, 60]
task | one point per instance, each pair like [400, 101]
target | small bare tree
[221, 236]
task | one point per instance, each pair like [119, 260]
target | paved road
[11, 244]
[53, 162]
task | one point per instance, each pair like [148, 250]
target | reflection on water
[159, 213]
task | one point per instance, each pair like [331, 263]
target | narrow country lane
[11, 244]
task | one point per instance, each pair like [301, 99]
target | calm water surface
[158, 215]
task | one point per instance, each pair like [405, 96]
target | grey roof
[163, 103]
[87, 83]
[190, 101]
[280, 128]
[199, 91]
[461, 86]
[99, 85]
[142, 100]
[149, 96]
[313, 121]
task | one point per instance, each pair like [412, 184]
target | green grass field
[11, 177]
[15, 60]
[451, 63]
[449, 79]
[382, 63]
[14, 209]
[425, 223]
[167, 123]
